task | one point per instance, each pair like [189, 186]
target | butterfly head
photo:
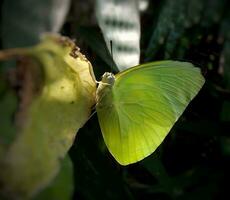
[104, 88]
[108, 78]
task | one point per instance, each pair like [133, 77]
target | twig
[12, 53]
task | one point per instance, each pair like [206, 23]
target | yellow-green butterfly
[138, 107]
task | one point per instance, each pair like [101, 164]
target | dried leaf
[56, 97]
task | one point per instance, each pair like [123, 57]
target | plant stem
[13, 53]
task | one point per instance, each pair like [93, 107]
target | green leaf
[175, 18]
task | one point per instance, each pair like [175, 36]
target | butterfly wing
[137, 113]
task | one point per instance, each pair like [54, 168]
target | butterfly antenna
[92, 114]
[111, 48]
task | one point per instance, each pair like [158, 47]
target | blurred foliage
[194, 160]
[176, 18]
[24, 21]
[62, 186]
[122, 29]
[55, 92]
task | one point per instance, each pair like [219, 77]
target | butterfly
[137, 107]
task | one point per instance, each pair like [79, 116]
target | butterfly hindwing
[137, 113]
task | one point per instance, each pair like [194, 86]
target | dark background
[193, 162]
